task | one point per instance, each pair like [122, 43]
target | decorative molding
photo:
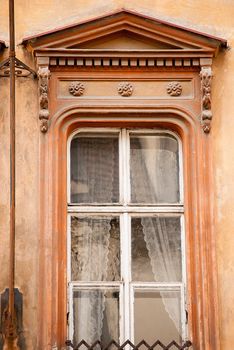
[76, 88]
[107, 60]
[167, 45]
[67, 118]
[174, 88]
[163, 35]
[43, 75]
[125, 89]
[206, 114]
[150, 86]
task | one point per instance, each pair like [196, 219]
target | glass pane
[95, 248]
[96, 315]
[157, 316]
[154, 169]
[95, 169]
[156, 249]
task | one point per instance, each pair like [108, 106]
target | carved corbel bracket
[43, 76]
[206, 114]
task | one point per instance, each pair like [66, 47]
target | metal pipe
[10, 325]
[12, 162]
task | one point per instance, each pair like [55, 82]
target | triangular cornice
[60, 35]
[82, 43]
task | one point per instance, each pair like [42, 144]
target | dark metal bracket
[21, 69]
[8, 333]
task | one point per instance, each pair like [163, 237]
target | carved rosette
[125, 89]
[206, 114]
[43, 75]
[76, 88]
[174, 88]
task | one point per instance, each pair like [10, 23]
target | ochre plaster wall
[215, 17]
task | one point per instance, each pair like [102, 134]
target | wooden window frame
[125, 211]
[201, 281]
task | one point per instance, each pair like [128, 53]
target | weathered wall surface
[215, 17]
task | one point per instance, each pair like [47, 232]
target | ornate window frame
[166, 86]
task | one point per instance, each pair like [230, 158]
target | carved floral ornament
[76, 88]
[125, 89]
[174, 88]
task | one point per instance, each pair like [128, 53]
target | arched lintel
[176, 118]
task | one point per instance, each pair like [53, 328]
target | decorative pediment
[125, 39]
[124, 35]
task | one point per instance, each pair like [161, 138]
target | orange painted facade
[98, 54]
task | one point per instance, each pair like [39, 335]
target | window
[126, 245]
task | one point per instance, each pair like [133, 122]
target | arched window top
[133, 166]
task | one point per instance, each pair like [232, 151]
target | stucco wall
[215, 17]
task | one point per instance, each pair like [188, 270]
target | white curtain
[165, 266]
[94, 170]
[154, 169]
[90, 263]
[154, 178]
[94, 178]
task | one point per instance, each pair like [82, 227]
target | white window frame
[125, 210]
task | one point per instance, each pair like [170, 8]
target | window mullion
[124, 157]
[121, 168]
[126, 235]
[126, 272]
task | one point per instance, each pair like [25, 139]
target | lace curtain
[166, 264]
[95, 257]
[95, 253]
[90, 263]
[94, 170]
[154, 169]
[154, 179]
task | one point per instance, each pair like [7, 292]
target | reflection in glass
[94, 169]
[156, 249]
[157, 316]
[96, 315]
[154, 169]
[95, 248]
